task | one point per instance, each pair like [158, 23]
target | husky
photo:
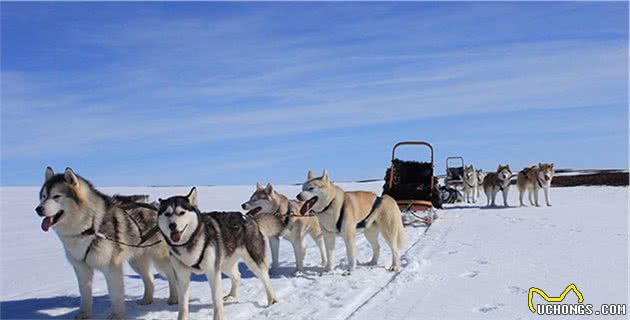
[342, 213]
[495, 182]
[211, 243]
[470, 184]
[480, 176]
[99, 232]
[533, 179]
[277, 215]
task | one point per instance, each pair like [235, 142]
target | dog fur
[533, 179]
[470, 184]
[95, 229]
[340, 214]
[495, 182]
[278, 216]
[480, 176]
[211, 243]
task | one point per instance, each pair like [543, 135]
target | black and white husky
[99, 232]
[211, 243]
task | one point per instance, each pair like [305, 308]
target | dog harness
[361, 223]
[540, 184]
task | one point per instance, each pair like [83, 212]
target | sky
[135, 94]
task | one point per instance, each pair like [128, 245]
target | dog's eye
[56, 197]
[181, 213]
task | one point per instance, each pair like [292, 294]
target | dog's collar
[327, 207]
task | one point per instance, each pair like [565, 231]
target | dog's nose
[40, 211]
[172, 226]
[243, 206]
[299, 196]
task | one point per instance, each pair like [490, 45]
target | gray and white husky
[211, 243]
[470, 184]
[278, 216]
[99, 232]
[495, 182]
[342, 213]
[533, 179]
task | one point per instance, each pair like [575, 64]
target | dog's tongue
[46, 223]
[176, 236]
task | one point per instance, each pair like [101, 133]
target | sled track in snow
[395, 276]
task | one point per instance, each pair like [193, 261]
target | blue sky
[234, 93]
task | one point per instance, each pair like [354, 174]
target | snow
[472, 263]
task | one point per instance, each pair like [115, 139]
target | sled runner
[412, 185]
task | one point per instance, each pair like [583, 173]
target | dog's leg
[230, 267]
[163, 264]
[116, 288]
[494, 197]
[546, 191]
[299, 248]
[536, 197]
[182, 276]
[329, 240]
[531, 195]
[214, 277]
[474, 194]
[319, 241]
[391, 237]
[488, 197]
[274, 244]
[84, 274]
[142, 266]
[505, 195]
[521, 193]
[350, 240]
[371, 234]
[261, 272]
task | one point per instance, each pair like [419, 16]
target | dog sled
[412, 185]
[454, 172]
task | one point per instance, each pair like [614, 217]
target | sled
[411, 184]
[454, 172]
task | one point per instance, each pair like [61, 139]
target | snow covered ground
[472, 263]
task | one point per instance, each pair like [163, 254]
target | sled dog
[99, 232]
[470, 184]
[278, 216]
[342, 213]
[533, 179]
[211, 243]
[480, 176]
[495, 182]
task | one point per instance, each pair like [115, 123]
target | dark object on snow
[412, 180]
[598, 178]
[450, 195]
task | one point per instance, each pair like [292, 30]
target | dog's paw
[346, 273]
[272, 301]
[144, 302]
[298, 273]
[229, 298]
[172, 300]
[83, 315]
[394, 268]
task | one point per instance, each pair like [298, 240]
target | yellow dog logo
[547, 298]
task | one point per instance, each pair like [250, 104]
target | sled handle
[417, 143]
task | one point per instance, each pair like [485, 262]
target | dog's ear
[71, 177]
[325, 176]
[309, 175]
[269, 188]
[540, 165]
[552, 165]
[192, 196]
[499, 168]
[507, 166]
[49, 173]
[258, 186]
